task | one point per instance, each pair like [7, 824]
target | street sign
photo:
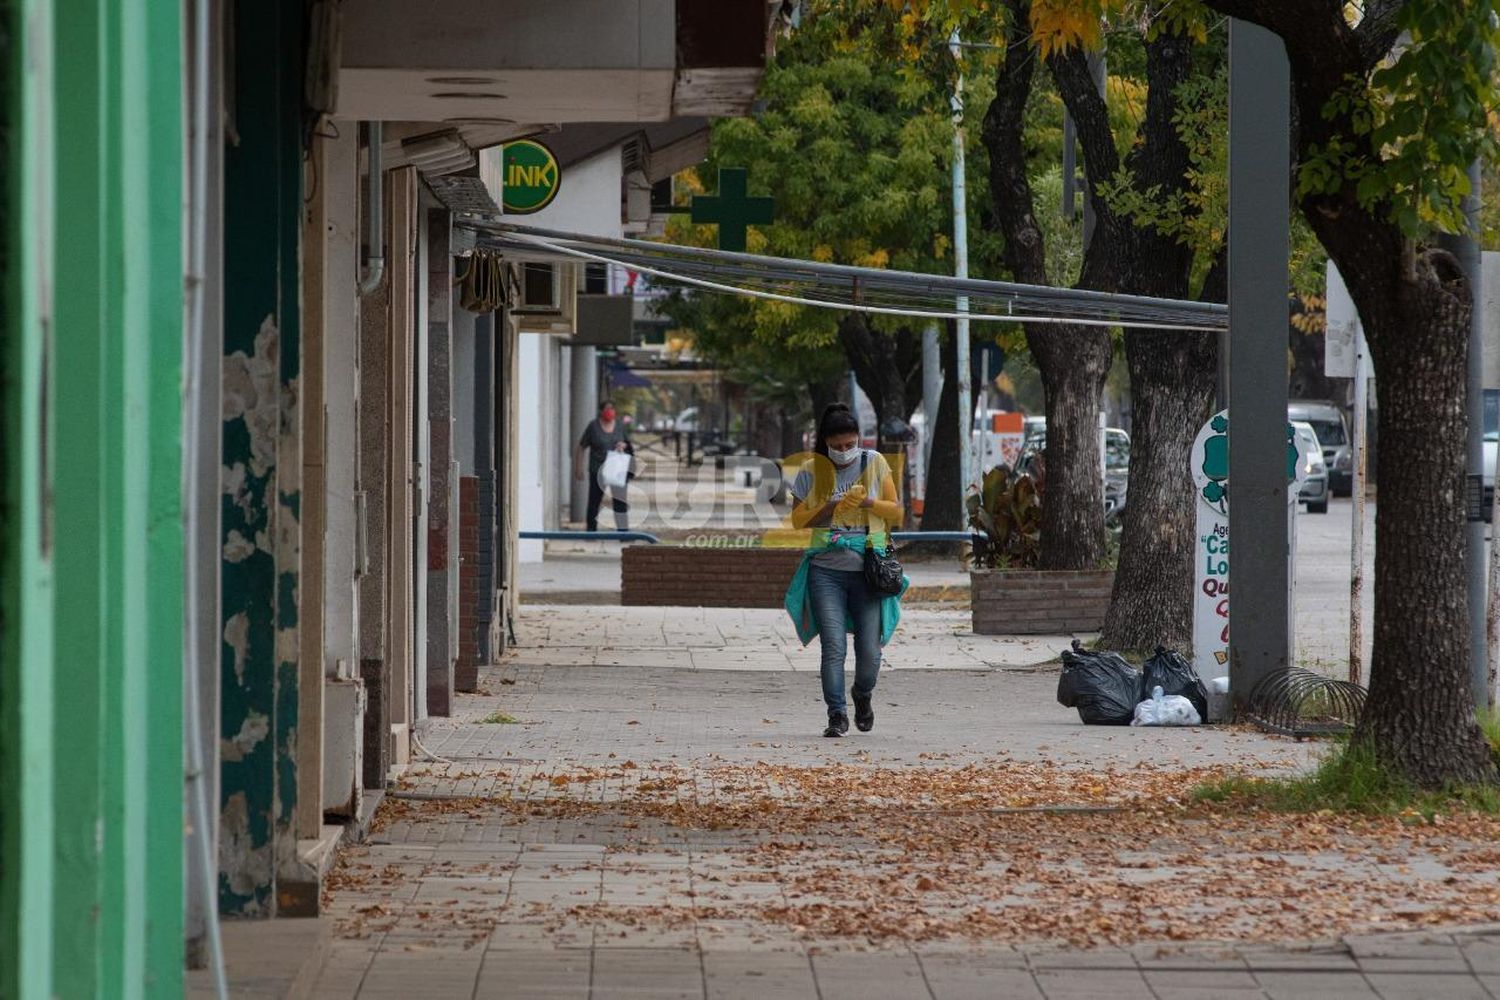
[1341, 327]
[732, 210]
[529, 176]
[1209, 467]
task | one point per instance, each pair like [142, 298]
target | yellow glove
[851, 501]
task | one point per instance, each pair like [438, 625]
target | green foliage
[499, 719]
[1008, 511]
[1197, 216]
[1489, 721]
[1350, 779]
[1417, 121]
[857, 155]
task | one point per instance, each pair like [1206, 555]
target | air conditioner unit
[546, 301]
[540, 288]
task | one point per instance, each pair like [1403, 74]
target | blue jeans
[836, 595]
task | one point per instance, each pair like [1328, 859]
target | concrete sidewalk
[608, 821]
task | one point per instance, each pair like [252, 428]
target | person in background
[603, 435]
[849, 495]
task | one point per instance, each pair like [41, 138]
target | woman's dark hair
[605, 403]
[837, 419]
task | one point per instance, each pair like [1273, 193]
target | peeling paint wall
[261, 463]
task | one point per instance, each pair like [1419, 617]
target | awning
[621, 377]
[841, 286]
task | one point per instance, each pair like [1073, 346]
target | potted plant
[1008, 594]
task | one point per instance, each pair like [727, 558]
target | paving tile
[1483, 955]
[746, 936]
[653, 972]
[342, 973]
[521, 975]
[1094, 958]
[1308, 985]
[1092, 984]
[407, 974]
[527, 936]
[978, 977]
[759, 976]
[1426, 986]
[1423, 946]
[1449, 962]
[1199, 979]
[611, 934]
[870, 976]
[1261, 960]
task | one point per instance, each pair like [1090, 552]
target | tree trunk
[885, 366]
[1415, 307]
[823, 393]
[768, 430]
[792, 427]
[1172, 377]
[1074, 363]
[1420, 712]
[941, 507]
[1172, 374]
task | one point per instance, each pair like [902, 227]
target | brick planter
[706, 577]
[1039, 602]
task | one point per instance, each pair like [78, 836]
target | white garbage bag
[615, 472]
[1170, 710]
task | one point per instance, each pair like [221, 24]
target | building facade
[263, 458]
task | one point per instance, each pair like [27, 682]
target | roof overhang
[512, 62]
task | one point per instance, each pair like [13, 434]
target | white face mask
[845, 456]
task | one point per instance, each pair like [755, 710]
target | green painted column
[118, 616]
[91, 647]
[261, 464]
[27, 770]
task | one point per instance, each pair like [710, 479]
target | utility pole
[1259, 245]
[961, 270]
[932, 391]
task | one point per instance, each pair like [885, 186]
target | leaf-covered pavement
[997, 852]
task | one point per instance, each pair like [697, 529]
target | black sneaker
[838, 724]
[864, 712]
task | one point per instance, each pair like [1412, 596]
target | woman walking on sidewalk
[848, 496]
[602, 436]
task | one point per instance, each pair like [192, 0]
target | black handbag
[883, 574]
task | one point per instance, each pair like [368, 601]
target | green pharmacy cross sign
[732, 210]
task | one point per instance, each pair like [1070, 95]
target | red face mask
[608, 413]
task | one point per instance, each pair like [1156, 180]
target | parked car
[1491, 445]
[1035, 426]
[1315, 486]
[1116, 455]
[1328, 423]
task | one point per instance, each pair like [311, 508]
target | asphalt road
[1321, 599]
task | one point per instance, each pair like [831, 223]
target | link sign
[1210, 471]
[529, 177]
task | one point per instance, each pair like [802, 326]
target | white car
[1314, 492]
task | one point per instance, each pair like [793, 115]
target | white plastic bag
[1159, 710]
[615, 471]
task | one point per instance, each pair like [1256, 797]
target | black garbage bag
[1102, 686]
[1171, 671]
